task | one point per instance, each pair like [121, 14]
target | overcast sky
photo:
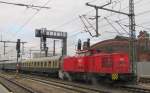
[63, 15]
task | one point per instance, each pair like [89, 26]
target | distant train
[88, 65]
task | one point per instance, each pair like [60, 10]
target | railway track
[144, 80]
[70, 86]
[79, 88]
[76, 88]
[135, 88]
[14, 87]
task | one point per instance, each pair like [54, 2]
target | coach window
[54, 64]
[41, 64]
[57, 64]
[38, 64]
[34, 64]
[44, 64]
[29, 64]
[49, 64]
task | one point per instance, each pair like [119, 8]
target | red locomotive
[94, 65]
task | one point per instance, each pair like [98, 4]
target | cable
[142, 27]
[30, 19]
[113, 26]
[28, 6]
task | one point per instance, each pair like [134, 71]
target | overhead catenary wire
[29, 20]
[26, 5]
[22, 26]
[112, 26]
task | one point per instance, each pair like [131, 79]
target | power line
[113, 26]
[30, 19]
[26, 5]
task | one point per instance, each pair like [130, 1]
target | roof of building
[118, 40]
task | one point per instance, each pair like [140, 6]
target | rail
[14, 87]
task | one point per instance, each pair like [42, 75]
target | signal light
[18, 46]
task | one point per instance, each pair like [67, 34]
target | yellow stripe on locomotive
[114, 76]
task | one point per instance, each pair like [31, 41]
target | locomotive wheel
[94, 81]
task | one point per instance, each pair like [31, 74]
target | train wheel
[94, 80]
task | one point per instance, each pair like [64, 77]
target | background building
[121, 44]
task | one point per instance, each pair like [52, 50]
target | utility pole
[132, 39]
[54, 48]
[4, 48]
[5, 42]
[96, 17]
[133, 48]
[97, 34]
[18, 55]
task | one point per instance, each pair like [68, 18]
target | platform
[3, 89]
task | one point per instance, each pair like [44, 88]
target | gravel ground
[3, 89]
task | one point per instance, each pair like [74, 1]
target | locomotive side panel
[121, 63]
[106, 64]
[69, 64]
[95, 64]
[75, 64]
[81, 64]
